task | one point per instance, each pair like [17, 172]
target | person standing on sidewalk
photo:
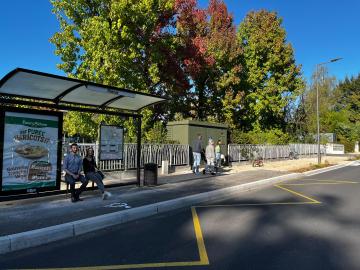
[197, 148]
[91, 172]
[210, 156]
[218, 153]
[72, 166]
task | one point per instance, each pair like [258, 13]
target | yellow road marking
[330, 180]
[340, 181]
[126, 266]
[253, 204]
[204, 260]
[199, 238]
[322, 183]
[298, 194]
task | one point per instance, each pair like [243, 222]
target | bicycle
[293, 155]
[258, 162]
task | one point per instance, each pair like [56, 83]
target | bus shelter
[32, 104]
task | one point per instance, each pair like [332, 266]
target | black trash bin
[150, 174]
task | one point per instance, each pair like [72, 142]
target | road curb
[5, 244]
[327, 169]
[46, 235]
[40, 236]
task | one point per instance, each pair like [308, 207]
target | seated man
[73, 164]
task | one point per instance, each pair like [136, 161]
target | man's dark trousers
[71, 180]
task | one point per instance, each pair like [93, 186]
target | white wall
[333, 148]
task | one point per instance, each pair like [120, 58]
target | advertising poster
[30, 151]
[111, 142]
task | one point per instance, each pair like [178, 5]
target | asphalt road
[311, 223]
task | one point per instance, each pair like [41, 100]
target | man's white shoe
[106, 195]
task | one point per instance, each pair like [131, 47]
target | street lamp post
[317, 105]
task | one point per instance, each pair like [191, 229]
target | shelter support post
[138, 153]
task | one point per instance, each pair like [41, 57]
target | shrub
[272, 136]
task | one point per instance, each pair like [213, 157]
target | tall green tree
[124, 43]
[273, 79]
[347, 109]
[348, 97]
[325, 85]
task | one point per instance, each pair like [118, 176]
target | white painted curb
[38, 237]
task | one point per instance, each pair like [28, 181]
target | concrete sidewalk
[29, 214]
[36, 221]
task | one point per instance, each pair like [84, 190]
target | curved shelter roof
[59, 91]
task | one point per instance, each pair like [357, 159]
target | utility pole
[317, 105]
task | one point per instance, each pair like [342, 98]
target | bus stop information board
[111, 142]
[30, 151]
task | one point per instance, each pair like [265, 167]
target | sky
[319, 30]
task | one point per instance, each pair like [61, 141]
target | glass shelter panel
[83, 95]
[32, 85]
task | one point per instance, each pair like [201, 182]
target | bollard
[165, 167]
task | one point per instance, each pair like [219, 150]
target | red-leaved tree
[211, 59]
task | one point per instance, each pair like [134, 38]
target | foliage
[347, 106]
[247, 79]
[211, 57]
[273, 80]
[272, 136]
[86, 125]
[157, 134]
[338, 108]
[326, 87]
[348, 98]
[121, 43]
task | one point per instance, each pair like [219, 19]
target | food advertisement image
[30, 151]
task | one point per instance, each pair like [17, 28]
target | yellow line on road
[199, 238]
[340, 181]
[204, 260]
[127, 266]
[334, 181]
[322, 183]
[253, 204]
[298, 194]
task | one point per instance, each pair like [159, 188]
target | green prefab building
[186, 131]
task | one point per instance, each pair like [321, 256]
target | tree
[326, 86]
[273, 80]
[338, 107]
[348, 97]
[347, 110]
[210, 57]
[123, 43]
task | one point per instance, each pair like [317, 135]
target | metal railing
[248, 152]
[179, 154]
[176, 154]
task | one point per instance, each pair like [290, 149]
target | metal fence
[179, 154]
[247, 152]
[176, 154]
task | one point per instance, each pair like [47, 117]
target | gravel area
[290, 165]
